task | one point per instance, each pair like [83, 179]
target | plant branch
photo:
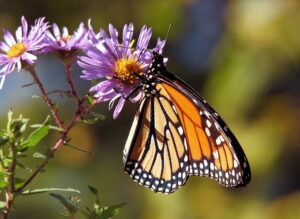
[71, 84]
[49, 102]
[11, 183]
[57, 145]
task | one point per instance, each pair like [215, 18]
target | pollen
[127, 69]
[66, 38]
[17, 50]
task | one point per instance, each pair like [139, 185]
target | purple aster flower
[64, 43]
[21, 50]
[118, 64]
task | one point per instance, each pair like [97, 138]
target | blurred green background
[243, 56]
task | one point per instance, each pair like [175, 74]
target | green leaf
[39, 155]
[93, 190]
[71, 207]
[54, 128]
[3, 183]
[109, 212]
[19, 182]
[2, 204]
[9, 119]
[44, 190]
[96, 117]
[36, 136]
[3, 140]
[17, 127]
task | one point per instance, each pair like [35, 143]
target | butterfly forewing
[213, 150]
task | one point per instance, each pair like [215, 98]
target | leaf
[3, 140]
[93, 190]
[2, 204]
[65, 202]
[54, 128]
[17, 127]
[39, 155]
[96, 117]
[19, 182]
[36, 136]
[90, 99]
[109, 212]
[44, 190]
[3, 184]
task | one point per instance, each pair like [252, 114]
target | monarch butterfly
[176, 134]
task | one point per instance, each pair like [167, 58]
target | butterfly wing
[213, 149]
[156, 153]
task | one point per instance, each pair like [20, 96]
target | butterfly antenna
[169, 30]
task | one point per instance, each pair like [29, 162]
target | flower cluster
[116, 64]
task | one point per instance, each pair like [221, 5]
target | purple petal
[119, 108]
[8, 37]
[2, 79]
[19, 34]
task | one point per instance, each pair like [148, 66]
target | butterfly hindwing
[156, 153]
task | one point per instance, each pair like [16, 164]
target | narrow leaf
[37, 135]
[65, 202]
[44, 190]
[54, 128]
[39, 155]
[93, 190]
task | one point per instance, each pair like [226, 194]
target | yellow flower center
[127, 69]
[16, 50]
[65, 39]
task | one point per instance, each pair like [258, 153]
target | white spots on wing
[185, 144]
[174, 108]
[233, 172]
[180, 130]
[235, 164]
[212, 167]
[226, 175]
[201, 113]
[185, 158]
[216, 154]
[206, 113]
[206, 171]
[205, 163]
[244, 164]
[201, 166]
[207, 131]
[219, 140]
[208, 123]
[194, 100]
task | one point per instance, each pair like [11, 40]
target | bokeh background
[243, 56]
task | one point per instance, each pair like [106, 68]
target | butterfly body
[176, 134]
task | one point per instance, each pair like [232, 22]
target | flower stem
[49, 102]
[71, 84]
